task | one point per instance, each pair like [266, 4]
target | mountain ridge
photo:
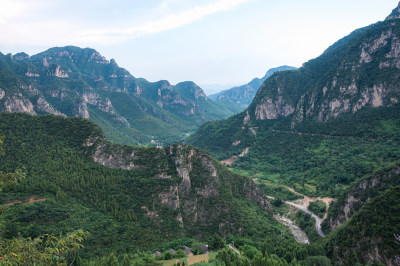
[335, 100]
[72, 81]
[242, 96]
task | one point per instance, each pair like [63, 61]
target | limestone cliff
[197, 180]
[359, 71]
[359, 194]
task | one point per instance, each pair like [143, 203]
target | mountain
[71, 81]
[365, 219]
[361, 192]
[325, 125]
[127, 198]
[242, 96]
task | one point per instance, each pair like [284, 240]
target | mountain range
[330, 128]
[71, 81]
[242, 96]
[327, 133]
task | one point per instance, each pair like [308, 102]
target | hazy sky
[208, 41]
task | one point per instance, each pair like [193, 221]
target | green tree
[216, 242]
[168, 255]
[180, 254]
[43, 250]
[249, 251]
[229, 257]
[46, 250]
[9, 180]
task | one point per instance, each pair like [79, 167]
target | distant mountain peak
[20, 56]
[242, 96]
[395, 13]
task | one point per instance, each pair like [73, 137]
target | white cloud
[40, 23]
[168, 22]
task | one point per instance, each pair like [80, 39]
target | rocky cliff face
[199, 180]
[360, 71]
[359, 194]
[366, 77]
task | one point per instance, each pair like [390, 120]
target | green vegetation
[361, 192]
[307, 224]
[129, 110]
[370, 230]
[120, 209]
[46, 249]
[323, 160]
[318, 207]
[43, 250]
[282, 252]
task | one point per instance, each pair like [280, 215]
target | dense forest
[119, 208]
[320, 158]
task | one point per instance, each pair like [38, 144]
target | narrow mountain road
[28, 200]
[303, 207]
[318, 220]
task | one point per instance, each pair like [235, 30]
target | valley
[302, 204]
[299, 167]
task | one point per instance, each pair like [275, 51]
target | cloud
[167, 23]
[44, 23]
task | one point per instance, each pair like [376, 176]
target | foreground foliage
[111, 203]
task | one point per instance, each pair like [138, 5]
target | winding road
[318, 220]
[307, 200]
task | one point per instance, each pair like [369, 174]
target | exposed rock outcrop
[197, 181]
[57, 72]
[18, 103]
[45, 107]
[270, 109]
[360, 193]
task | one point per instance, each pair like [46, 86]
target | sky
[215, 43]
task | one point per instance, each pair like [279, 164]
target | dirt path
[230, 161]
[305, 202]
[302, 204]
[234, 249]
[31, 199]
[318, 220]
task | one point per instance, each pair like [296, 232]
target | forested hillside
[133, 198]
[370, 235]
[323, 126]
